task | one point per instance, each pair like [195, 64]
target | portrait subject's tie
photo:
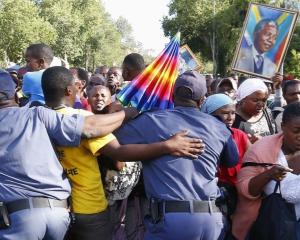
[260, 60]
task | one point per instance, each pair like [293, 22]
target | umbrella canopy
[153, 88]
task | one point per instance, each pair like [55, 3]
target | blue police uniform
[32, 183]
[184, 190]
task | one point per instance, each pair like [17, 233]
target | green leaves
[293, 66]
[20, 26]
[77, 30]
[212, 27]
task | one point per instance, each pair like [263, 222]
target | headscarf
[250, 86]
[214, 102]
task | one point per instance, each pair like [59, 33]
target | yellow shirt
[81, 166]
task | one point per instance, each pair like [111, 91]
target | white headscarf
[250, 86]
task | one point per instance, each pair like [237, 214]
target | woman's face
[291, 134]
[226, 114]
[254, 104]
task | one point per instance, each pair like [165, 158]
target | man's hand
[277, 80]
[278, 172]
[113, 107]
[181, 145]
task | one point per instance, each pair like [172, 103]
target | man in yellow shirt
[88, 203]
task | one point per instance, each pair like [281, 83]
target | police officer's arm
[103, 124]
[177, 145]
[229, 156]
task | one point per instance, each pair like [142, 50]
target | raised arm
[177, 145]
[257, 183]
[101, 125]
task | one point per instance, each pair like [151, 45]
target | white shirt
[290, 186]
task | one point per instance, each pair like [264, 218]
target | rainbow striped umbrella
[153, 88]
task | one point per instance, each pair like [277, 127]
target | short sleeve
[62, 129]
[290, 188]
[95, 144]
[26, 86]
[229, 156]
[129, 133]
[247, 173]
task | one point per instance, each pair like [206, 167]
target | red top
[229, 175]
[85, 104]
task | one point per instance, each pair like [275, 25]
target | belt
[38, 202]
[187, 206]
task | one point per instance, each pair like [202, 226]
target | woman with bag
[267, 161]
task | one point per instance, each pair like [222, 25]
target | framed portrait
[264, 40]
[187, 59]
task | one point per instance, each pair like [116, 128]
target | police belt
[185, 206]
[38, 202]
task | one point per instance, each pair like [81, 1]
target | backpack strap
[276, 187]
[254, 164]
[268, 118]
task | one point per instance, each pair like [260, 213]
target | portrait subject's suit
[246, 62]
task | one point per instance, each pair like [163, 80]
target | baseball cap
[229, 80]
[194, 82]
[7, 85]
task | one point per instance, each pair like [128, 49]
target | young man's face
[125, 73]
[292, 94]
[79, 84]
[103, 71]
[99, 98]
[265, 38]
[114, 78]
[73, 94]
[32, 63]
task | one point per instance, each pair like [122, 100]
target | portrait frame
[272, 52]
[188, 60]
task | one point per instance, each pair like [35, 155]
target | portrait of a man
[187, 60]
[252, 58]
[266, 34]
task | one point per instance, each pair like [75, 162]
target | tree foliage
[84, 30]
[80, 31]
[211, 27]
[66, 21]
[294, 64]
[20, 26]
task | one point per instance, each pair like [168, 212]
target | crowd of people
[76, 164]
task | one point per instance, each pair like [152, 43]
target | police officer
[33, 187]
[183, 193]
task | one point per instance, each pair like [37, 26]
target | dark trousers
[135, 211]
[91, 227]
